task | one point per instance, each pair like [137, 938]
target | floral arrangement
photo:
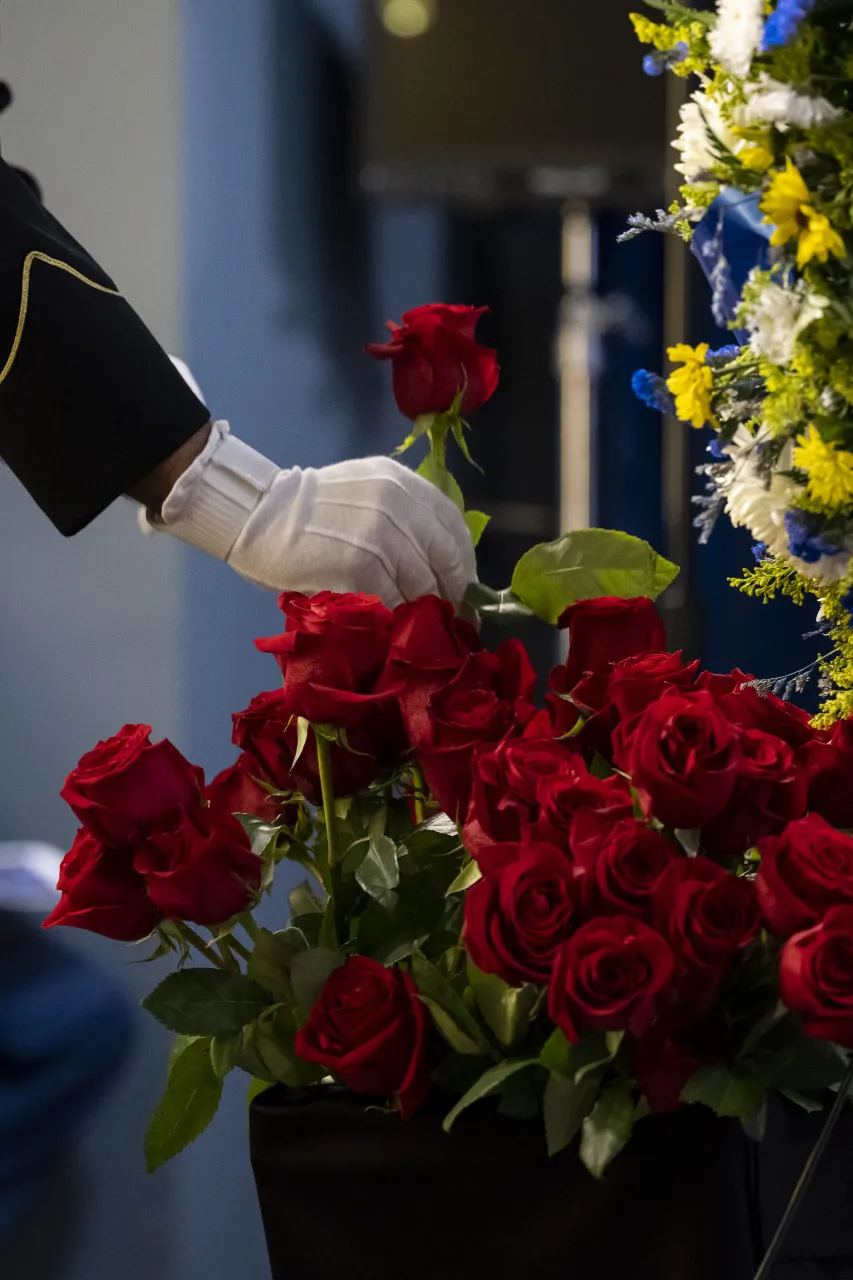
[635, 894]
[766, 152]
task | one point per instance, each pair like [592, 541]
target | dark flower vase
[345, 1191]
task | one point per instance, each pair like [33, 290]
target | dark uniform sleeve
[90, 403]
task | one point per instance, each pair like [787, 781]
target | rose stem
[248, 923]
[196, 940]
[418, 793]
[324, 760]
[234, 945]
[227, 955]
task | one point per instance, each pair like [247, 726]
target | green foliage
[206, 1002]
[450, 1013]
[727, 1090]
[190, 1102]
[488, 1084]
[506, 1010]
[588, 563]
[608, 1127]
[565, 1106]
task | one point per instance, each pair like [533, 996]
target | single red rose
[610, 976]
[517, 918]
[505, 785]
[682, 755]
[101, 892]
[803, 872]
[816, 977]
[435, 357]
[486, 700]
[428, 646]
[769, 792]
[267, 733]
[626, 689]
[606, 630]
[370, 1028]
[622, 862]
[721, 683]
[574, 791]
[749, 709]
[672, 1051]
[708, 915]
[236, 790]
[829, 767]
[332, 639]
[199, 866]
[125, 783]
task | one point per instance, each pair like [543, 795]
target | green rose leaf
[188, 1105]
[488, 1083]
[224, 1052]
[309, 972]
[206, 1002]
[476, 522]
[431, 469]
[468, 876]
[499, 606]
[273, 1041]
[585, 564]
[379, 872]
[505, 1009]
[450, 1013]
[729, 1091]
[608, 1127]
[566, 1105]
[269, 964]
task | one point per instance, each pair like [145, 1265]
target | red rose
[769, 791]
[516, 918]
[428, 646]
[816, 977]
[435, 356]
[626, 689]
[505, 787]
[682, 755]
[199, 866]
[268, 734]
[803, 872]
[829, 766]
[101, 892]
[235, 790]
[610, 976]
[606, 630]
[719, 683]
[370, 1028]
[752, 710]
[672, 1051]
[125, 783]
[575, 791]
[487, 699]
[708, 915]
[623, 863]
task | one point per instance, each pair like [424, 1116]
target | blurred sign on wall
[509, 100]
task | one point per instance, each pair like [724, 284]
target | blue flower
[722, 355]
[781, 27]
[652, 390]
[717, 449]
[654, 64]
[759, 551]
[805, 539]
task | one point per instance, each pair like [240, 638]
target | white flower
[701, 123]
[778, 316]
[737, 35]
[752, 502]
[770, 102]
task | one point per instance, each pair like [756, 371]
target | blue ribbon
[731, 239]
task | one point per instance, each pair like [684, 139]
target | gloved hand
[367, 525]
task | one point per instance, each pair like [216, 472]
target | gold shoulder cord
[35, 256]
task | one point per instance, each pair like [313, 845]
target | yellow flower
[818, 239]
[830, 469]
[787, 203]
[783, 202]
[691, 384]
[756, 157]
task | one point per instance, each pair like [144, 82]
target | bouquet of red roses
[633, 894]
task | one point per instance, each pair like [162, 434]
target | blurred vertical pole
[681, 623]
[575, 354]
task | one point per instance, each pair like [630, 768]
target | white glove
[368, 525]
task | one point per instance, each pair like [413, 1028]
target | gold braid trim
[35, 256]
